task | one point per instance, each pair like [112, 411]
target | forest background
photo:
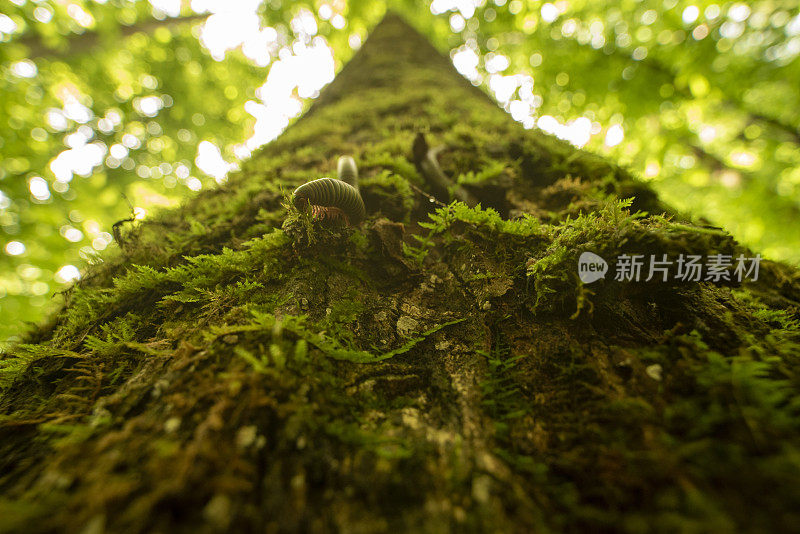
[113, 109]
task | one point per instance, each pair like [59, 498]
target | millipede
[331, 198]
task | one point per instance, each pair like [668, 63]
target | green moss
[335, 342]
[502, 397]
[236, 359]
[488, 172]
[389, 194]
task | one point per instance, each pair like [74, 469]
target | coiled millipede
[331, 198]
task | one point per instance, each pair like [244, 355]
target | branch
[84, 42]
[776, 123]
[727, 100]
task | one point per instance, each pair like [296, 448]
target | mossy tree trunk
[232, 368]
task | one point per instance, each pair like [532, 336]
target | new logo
[591, 267]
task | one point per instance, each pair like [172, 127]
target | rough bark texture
[237, 366]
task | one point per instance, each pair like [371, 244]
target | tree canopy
[109, 110]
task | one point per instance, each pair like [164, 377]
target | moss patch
[236, 366]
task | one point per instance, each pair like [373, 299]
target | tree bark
[235, 368]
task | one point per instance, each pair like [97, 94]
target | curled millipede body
[331, 198]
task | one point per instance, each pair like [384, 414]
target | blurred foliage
[112, 108]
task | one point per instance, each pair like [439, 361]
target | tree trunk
[235, 368]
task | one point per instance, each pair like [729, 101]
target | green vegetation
[109, 107]
[234, 365]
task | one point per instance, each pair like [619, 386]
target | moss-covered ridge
[440, 368]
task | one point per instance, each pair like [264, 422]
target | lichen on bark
[439, 368]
